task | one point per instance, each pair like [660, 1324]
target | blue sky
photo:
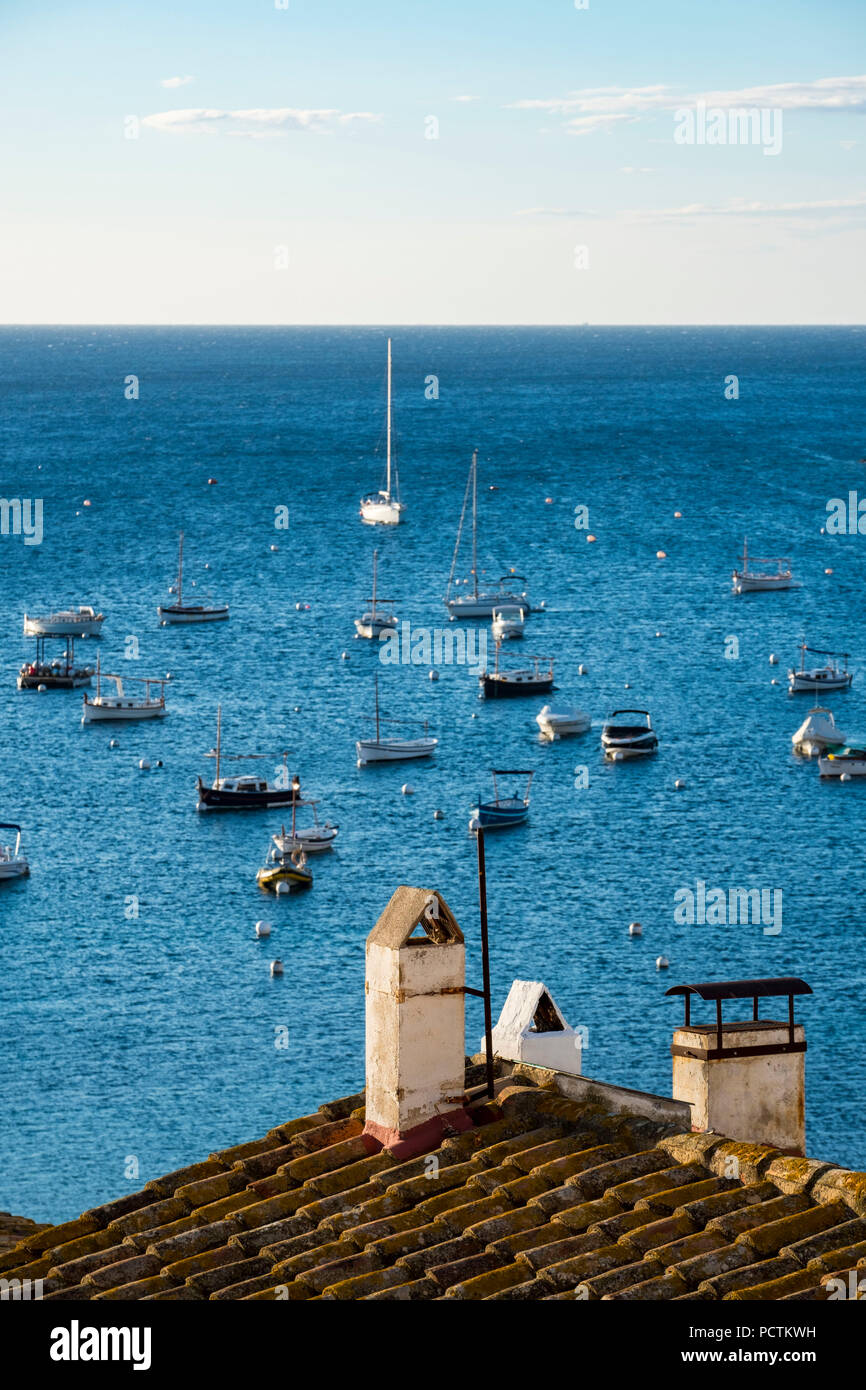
[285, 174]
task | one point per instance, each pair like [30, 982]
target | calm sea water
[153, 1037]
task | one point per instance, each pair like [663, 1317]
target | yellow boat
[284, 873]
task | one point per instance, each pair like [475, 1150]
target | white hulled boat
[474, 601]
[122, 706]
[13, 862]
[819, 679]
[384, 508]
[180, 612]
[843, 760]
[562, 722]
[312, 839]
[818, 731]
[508, 620]
[83, 621]
[390, 750]
[373, 623]
[623, 739]
[748, 581]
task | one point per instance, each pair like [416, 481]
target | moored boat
[499, 684]
[13, 861]
[376, 620]
[388, 750]
[843, 760]
[818, 731]
[474, 600]
[623, 739]
[747, 581]
[247, 792]
[503, 811]
[180, 612]
[562, 722]
[384, 508]
[311, 839]
[83, 621]
[819, 679]
[121, 706]
[508, 621]
[284, 873]
[61, 673]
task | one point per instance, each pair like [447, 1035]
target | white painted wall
[760, 1099]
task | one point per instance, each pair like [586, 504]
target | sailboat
[374, 623]
[749, 581]
[383, 508]
[389, 750]
[507, 684]
[249, 793]
[312, 839]
[120, 705]
[819, 678]
[477, 602]
[180, 612]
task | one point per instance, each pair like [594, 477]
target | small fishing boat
[508, 621]
[503, 811]
[61, 673]
[180, 612]
[474, 601]
[284, 873]
[83, 621]
[120, 705]
[562, 722]
[384, 508]
[389, 750]
[312, 839]
[819, 678]
[843, 760]
[621, 739]
[817, 732]
[533, 680]
[748, 581]
[13, 863]
[375, 622]
[245, 793]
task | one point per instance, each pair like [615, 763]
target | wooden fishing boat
[503, 811]
[248, 792]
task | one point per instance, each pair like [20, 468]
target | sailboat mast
[388, 427]
[219, 740]
[375, 567]
[98, 686]
[459, 537]
[180, 572]
[377, 708]
[475, 520]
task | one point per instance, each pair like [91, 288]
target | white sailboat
[382, 508]
[120, 705]
[311, 839]
[749, 581]
[13, 860]
[390, 750]
[375, 622]
[819, 678]
[180, 612]
[473, 601]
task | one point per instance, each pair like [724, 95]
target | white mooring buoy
[407, 789]
[144, 764]
[434, 675]
[774, 660]
[276, 967]
[438, 815]
[263, 928]
[679, 784]
[635, 929]
[662, 962]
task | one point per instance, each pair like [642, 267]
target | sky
[408, 162]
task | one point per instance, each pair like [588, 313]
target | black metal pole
[485, 962]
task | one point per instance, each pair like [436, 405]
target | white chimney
[532, 1029]
[416, 973]
[746, 1080]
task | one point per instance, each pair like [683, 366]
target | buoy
[144, 765]
[627, 686]
[276, 967]
[263, 928]
[635, 929]
[296, 709]
[474, 715]
[211, 482]
[344, 656]
[207, 567]
[662, 962]
[581, 670]
[658, 634]
[828, 571]
[86, 502]
[678, 515]
[548, 500]
[823, 530]
[846, 777]
[589, 539]
[679, 784]
[282, 888]
[434, 675]
[774, 681]
[40, 688]
[407, 789]
[438, 815]
[474, 825]
[299, 607]
[113, 743]
[274, 548]
[661, 555]
[158, 762]
[774, 660]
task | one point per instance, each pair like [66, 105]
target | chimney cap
[745, 989]
[410, 908]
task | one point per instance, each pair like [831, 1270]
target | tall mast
[459, 536]
[180, 572]
[375, 566]
[388, 427]
[219, 740]
[475, 519]
[98, 660]
[377, 707]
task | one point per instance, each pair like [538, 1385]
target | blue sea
[135, 1044]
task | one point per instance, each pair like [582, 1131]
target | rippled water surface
[153, 1036]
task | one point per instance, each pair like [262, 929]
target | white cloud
[592, 108]
[742, 207]
[259, 121]
[465, 98]
[176, 81]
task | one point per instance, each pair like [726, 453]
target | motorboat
[817, 732]
[83, 621]
[503, 811]
[623, 739]
[13, 862]
[312, 839]
[562, 722]
[388, 750]
[819, 679]
[247, 792]
[536, 679]
[508, 621]
[60, 673]
[747, 581]
[120, 705]
[180, 612]
[843, 760]
[384, 508]
[471, 599]
[284, 873]
[376, 621]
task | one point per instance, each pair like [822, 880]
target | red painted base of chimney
[421, 1139]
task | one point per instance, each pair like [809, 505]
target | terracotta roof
[543, 1198]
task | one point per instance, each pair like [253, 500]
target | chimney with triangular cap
[416, 973]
